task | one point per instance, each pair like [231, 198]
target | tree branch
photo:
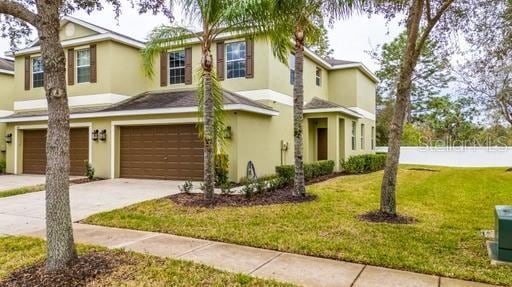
[431, 24]
[429, 13]
[19, 11]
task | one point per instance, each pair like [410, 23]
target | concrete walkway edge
[281, 266]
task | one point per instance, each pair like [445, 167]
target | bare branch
[431, 24]
[19, 11]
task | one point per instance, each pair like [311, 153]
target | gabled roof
[6, 66]
[317, 105]
[179, 99]
[101, 35]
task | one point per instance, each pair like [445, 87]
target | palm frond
[161, 39]
[219, 125]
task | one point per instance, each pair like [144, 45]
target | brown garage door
[34, 151]
[161, 152]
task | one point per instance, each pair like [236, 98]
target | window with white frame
[362, 136]
[83, 66]
[235, 59]
[177, 67]
[353, 135]
[318, 76]
[291, 64]
[37, 72]
[373, 138]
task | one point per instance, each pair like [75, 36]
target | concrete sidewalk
[285, 267]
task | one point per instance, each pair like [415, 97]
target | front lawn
[452, 206]
[134, 269]
[22, 190]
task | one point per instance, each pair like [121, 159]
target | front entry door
[321, 135]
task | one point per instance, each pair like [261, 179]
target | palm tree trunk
[208, 121]
[403, 97]
[298, 116]
[60, 242]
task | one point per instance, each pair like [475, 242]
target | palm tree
[302, 21]
[214, 18]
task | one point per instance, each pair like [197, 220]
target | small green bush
[88, 170]
[221, 169]
[364, 163]
[311, 170]
[186, 187]
[2, 166]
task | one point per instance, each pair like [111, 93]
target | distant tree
[16, 21]
[321, 46]
[431, 76]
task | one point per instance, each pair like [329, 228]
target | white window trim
[32, 71]
[45, 126]
[318, 77]
[353, 142]
[227, 61]
[175, 68]
[82, 66]
[363, 144]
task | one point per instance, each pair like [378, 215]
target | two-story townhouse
[129, 125]
[6, 98]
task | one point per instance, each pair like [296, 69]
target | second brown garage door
[34, 151]
[161, 152]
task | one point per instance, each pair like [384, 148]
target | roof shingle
[6, 64]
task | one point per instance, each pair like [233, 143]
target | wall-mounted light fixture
[103, 135]
[227, 132]
[8, 138]
[94, 135]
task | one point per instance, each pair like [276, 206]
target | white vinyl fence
[455, 156]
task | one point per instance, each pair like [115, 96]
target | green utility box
[503, 232]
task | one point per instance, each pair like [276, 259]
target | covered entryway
[172, 152]
[34, 151]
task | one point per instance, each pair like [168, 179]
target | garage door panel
[34, 151]
[161, 152]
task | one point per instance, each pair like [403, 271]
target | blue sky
[349, 38]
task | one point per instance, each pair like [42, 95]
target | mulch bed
[85, 180]
[381, 217]
[423, 169]
[79, 273]
[233, 200]
[509, 170]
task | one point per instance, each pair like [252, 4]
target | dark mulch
[233, 200]
[85, 180]
[509, 169]
[79, 273]
[381, 217]
[423, 169]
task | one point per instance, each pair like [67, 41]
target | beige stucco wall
[6, 104]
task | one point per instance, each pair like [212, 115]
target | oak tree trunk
[60, 242]
[298, 116]
[208, 121]
[403, 97]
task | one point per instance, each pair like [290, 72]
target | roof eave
[334, 110]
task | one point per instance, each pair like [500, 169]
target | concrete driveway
[26, 213]
[8, 182]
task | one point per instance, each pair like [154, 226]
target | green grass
[19, 252]
[452, 206]
[22, 190]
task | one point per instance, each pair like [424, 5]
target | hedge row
[311, 170]
[364, 163]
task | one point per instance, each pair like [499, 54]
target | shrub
[88, 170]
[248, 189]
[226, 188]
[2, 166]
[311, 170]
[364, 163]
[221, 169]
[186, 187]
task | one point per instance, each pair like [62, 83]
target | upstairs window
[353, 135]
[318, 77]
[291, 64]
[362, 136]
[37, 72]
[235, 59]
[177, 67]
[83, 66]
